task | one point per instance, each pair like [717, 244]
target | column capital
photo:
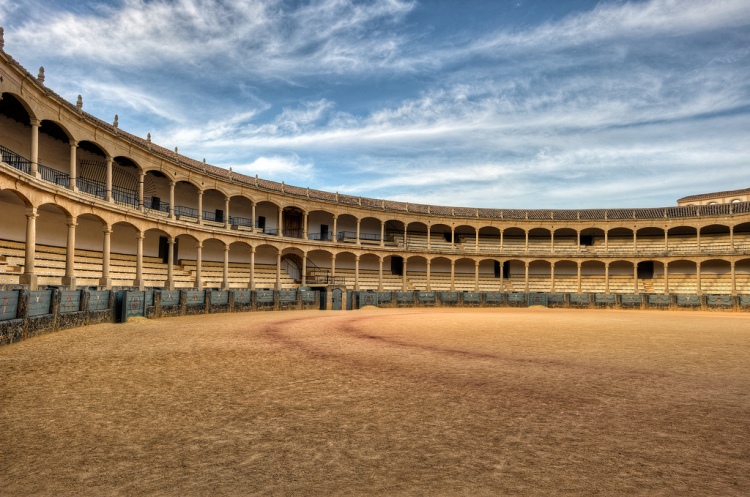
[35, 123]
[73, 143]
[72, 223]
[109, 159]
[171, 240]
[140, 236]
[356, 258]
[199, 245]
[226, 248]
[252, 249]
[32, 212]
[107, 230]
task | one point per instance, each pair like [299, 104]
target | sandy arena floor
[422, 402]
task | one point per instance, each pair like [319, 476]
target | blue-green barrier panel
[308, 296]
[604, 298]
[579, 298]
[493, 297]
[537, 299]
[98, 300]
[368, 298]
[449, 296]
[242, 296]
[745, 300]
[720, 300]
[404, 296]
[516, 298]
[9, 305]
[196, 297]
[70, 301]
[220, 297]
[39, 302]
[630, 299]
[134, 304]
[471, 297]
[688, 300]
[170, 297]
[658, 299]
[149, 296]
[287, 295]
[426, 296]
[264, 296]
[556, 298]
[384, 296]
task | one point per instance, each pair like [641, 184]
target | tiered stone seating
[212, 274]
[715, 283]
[368, 279]
[418, 241]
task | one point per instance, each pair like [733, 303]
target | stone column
[666, 278]
[105, 280]
[552, 277]
[141, 200]
[406, 234]
[359, 222]
[251, 283]
[139, 262]
[453, 238]
[476, 276]
[225, 276]
[428, 275]
[382, 233]
[552, 242]
[253, 221]
[304, 226]
[635, 241]
[666, 240]
[698, 278]
[73, 169]
[304, 264]
[335, 229]
[200, 206]
[70, 272]
[108, 183]
[170, 264]
[698, 231]
[502, 275]
[578, 248]
[635, 278]
[606, 241]
[526, 249]
[476, 240]
[281, 223]
[29, 276]
[198, 266]
[171, 199]
[501, 240]
[226, 213]
[380, 275]
[333, 265]
[453, 276]
[734, 281]
[731, 238]
[606, 277]
[579, 278]
[526, 283]
[34, 170]
[278, 270]
[403, 278]
[356, 272]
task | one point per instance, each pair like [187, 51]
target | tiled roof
[703, 196]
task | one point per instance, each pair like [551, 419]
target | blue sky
[510, 104]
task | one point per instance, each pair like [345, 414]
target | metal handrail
[53, 175]
[91, 187]
[15, 160]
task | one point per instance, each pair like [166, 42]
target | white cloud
[290, 169]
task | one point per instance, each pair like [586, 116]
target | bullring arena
[495, 351]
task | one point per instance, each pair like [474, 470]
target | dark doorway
[156, 203]
[646, 270]
[506, 269]
[587, 240]
[219, 216]
[164, 249]
[497, 269]
[324, 232]
[261, 222]
[397, 265]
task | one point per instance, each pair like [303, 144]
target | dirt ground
[394, 402]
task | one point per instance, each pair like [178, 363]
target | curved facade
[87, 204]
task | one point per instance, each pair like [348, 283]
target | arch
[293, 218]
[267, 217]
[370, 230]
[15, 107]
[346, 228]
[320, 225]
[540, 240]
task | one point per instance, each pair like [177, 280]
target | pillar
[380, 275]
[226, 213]
[139, 262]
[403, 280]
[578, 290]
[251, 283]
[551, 277]
[304, 226]
[29, 274]
[141, 200]
[406, 234]
[526, 249]
[333, 266]
[304, 262]
[476, 240]
[476, 276]
[70, 272]
[198, 264]
[666, 240]
[382, 233]
[666, 278]
[552, 241]
[108, 181]
[335, 229]
[526, 282]
[105, 280]
[225, 276]
[73, 169]
[253, 221]
[171, 199]
[453, 274]
[356, 272]
[635, 278]
[453, 237]
[578, 248]
[281, 223]
[698, 278]
[635, 241]
[731, 238]
[278, 270]
[501, 240]
[34, 170]
[734, 282]
[502, 276]
[428, 275]
[429, 236]
[606, 241]
[170, 264]
[359, 222]
[606, 278]
[698, 231]
[200, 206]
